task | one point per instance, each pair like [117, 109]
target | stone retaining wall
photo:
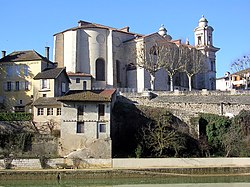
[130, 163]
[134, 163]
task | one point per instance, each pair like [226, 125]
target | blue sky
[30, 24]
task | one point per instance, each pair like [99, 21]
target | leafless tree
[149, 57]
[160, 138]
[171, 60]
[240, 66]
[194, 63]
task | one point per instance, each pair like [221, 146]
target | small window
[44, 95]
[80, 110]
[58, 111]
[102, 128]
[20, 102]
[26, 86]
[101, 110]
[49, 111]
[77, 80]
[84, 85]
[8, 86]
[63, 87]
[45, 83]
[40, 111]
[80, 127]
[26, 70]
[17, 86]
[199, 40]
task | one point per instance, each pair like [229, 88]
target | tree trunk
[189, 82]
[171, 83]
[152, 82]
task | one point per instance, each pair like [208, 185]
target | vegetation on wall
[7, 116]
[221, 136]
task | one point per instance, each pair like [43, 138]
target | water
[229, 181]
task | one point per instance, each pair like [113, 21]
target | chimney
[3, 54]
[47, 52]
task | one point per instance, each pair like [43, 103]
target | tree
[193, 63]
[171, 60]
[241, 66]
[149, 58]
[161, 139]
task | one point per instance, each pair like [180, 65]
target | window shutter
[5, 86]
[41, 83]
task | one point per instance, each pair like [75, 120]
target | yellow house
[17, 71]
[48, 85]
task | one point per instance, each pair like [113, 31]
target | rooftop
[88, 95]
[29, 55]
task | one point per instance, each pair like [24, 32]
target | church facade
[107, 54]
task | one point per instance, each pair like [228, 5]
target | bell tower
[203, 35]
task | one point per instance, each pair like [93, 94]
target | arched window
[100, 69]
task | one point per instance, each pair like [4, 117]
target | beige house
[80, 81]
[48, 85]
[17, 71]
[86, 123]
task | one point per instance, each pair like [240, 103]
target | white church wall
[131, 79]
[161, 80]
[70, 50]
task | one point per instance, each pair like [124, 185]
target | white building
[105, 53]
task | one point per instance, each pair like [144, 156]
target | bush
[15, 116]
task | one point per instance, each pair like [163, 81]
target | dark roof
[29, 55]
[46, 101]
[71, 74]
[85, 24]
[88, 95]
[50, 73]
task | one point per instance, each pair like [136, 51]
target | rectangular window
[80, 110]
[40, 111]
[25, 70]
[17, 86]
[84, 85]
[9, 71]
[49, 111]
[8, 86]
[77, 80]
[80, 127]
[63, 88]
[101, 110]
[58, 111]
[17, 68]
[102, 128]
[45, 83]
[26, 85]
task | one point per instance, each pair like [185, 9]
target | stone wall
[57, 163]
[188, 104]
[130, 163]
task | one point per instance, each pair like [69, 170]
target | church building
[106, 54]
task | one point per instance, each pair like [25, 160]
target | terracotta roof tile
[71, 74]
[93, 95]
[46, 101]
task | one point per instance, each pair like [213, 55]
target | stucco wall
[70, 139]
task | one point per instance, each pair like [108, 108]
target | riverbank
[66, 174]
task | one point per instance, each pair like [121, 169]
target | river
[173, 181]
